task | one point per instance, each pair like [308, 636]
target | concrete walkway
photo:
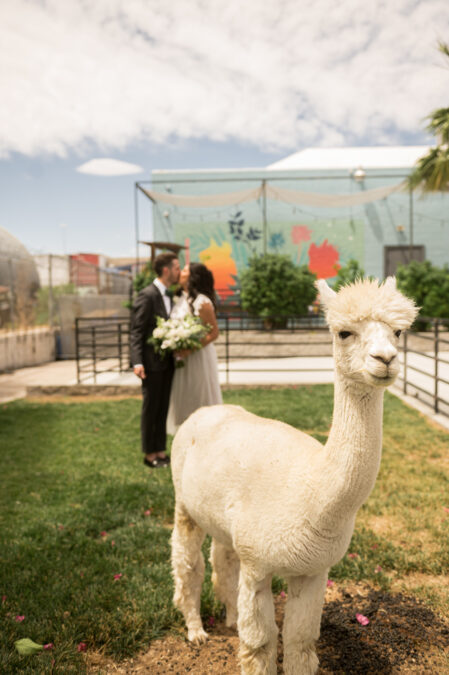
[285, 371]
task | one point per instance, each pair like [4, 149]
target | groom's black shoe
[164, 461]
[156, 463]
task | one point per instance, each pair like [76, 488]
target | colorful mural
[323, 260]
[226, 247]
[225, 239]
[219, 260]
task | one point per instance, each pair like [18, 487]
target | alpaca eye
[344, 334]
[398, 333]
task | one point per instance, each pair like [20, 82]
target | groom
[155, 372]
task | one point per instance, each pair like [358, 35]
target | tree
[348, 274]
[432, 171]
[273, 287]
[144, 278]
[428, 285]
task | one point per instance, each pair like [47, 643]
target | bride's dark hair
[201, 280]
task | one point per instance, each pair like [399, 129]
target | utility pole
[50, 292]
[410, 226]
[264, 215]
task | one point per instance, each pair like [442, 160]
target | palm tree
[432, 171]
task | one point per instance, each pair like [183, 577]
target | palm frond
[431, 173]
[444, 48]
[439, 124]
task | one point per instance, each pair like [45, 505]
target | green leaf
[27, 647]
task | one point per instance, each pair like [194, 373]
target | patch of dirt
[403, 637]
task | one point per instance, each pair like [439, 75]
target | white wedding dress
[196, 384]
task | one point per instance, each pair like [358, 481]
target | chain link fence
[31, 286]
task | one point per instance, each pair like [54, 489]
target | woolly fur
[369, 300]
[275, 500]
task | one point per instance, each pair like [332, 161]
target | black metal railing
[426, 362]
[246, 338]
[102, 345]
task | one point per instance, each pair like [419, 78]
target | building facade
[321, 207]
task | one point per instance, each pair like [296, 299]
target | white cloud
[109, 167]
[290, 73]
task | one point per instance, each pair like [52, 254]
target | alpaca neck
[354, 447]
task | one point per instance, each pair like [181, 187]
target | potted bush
[428, 285]
[273, 287]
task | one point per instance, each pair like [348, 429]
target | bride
[196, 384]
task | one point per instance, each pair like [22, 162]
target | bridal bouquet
[172, 335]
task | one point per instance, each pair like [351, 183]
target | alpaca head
[366, 319]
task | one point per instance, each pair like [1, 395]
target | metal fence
[102, 346]
[425, 358]
[30, 287]
[246, 340]
[246, 346]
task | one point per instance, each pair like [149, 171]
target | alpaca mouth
[384, 379]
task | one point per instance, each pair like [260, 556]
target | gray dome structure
[18, 270]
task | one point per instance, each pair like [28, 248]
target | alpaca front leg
[256, 625]
[302, 624]
[225, 579]
[188, 572]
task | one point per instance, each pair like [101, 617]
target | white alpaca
[275, 500]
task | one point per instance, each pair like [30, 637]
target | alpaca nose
[385, 358]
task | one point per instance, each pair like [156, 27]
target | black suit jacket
[148, 305]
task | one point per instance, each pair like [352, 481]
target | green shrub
[273, 287]
[144, 278]
[141, 280]
[348, 274]
[428, 285]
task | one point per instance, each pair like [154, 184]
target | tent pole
[410, 255]
[264, 215]
[136, 227]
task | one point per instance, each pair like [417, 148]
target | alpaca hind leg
[256, 624]
[188, 572]
[225, 579]
[302, 623]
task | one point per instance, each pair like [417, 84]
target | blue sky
[189, 84]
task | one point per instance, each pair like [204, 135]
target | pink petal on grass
[445, 509]
[147, 512]
[330, 583]
[378, 569]
[19, 618]
[117, 576]
[112, 543]
[363, 620]
[81, 647]
[103, 534]
[353, 555]
[49, 646]
[283, 594]
[3, 599]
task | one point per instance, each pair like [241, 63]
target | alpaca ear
[325, 291]
[390, 282]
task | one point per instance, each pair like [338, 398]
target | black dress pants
[156, 397]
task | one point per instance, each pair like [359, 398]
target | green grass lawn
[85, 527]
